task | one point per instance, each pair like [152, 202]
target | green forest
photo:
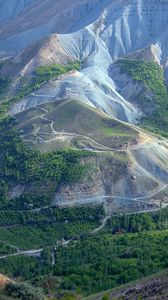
[128, 248]
[41, 172]
[28, 166]
[98, 263]
[152, 75]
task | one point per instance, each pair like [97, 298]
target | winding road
[104, 221]
[100, 147]
[26, 252]
[137, 199]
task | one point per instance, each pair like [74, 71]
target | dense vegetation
[46, 73]
[151, 74]
[129, 247]
[46, 226]
[5, 248]
[22, 291]
[96, 263]
[42, 235]
[138, 222]
[103, 262]
[51, 214]
[38, 170]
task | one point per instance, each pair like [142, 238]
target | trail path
[100, 147]
[104, 221]
[26, 252]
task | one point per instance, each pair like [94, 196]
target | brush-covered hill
[153, 287]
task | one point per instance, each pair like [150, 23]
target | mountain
[112, 80]
[83, 148]
[111, 21]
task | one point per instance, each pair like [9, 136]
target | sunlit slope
[129, 164]
[73, 119]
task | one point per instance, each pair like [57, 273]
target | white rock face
[42, 18]
[95, 32]
[133, 24]
[91, 85]
[124, 25]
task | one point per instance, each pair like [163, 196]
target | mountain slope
[52, 17]
[54, 112]
[96, 46]
[143, 83]
[153, 287]
[11, 9]
[129, 164]
[47, 51]
[111, 20]
[83, 148]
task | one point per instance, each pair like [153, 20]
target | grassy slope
[75, 117]
[151, 74]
